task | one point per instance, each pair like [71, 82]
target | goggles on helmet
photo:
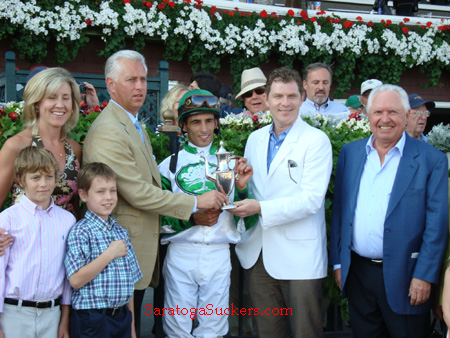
[198, 101]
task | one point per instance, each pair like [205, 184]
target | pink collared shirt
[32, 268]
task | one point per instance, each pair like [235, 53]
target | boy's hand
[118, 249]
[5, 241]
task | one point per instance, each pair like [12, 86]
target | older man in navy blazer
[389, 224]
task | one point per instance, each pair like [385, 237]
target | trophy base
[229, 206]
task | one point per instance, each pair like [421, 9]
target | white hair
[390, 88]
[113, 67]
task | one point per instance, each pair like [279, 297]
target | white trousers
[29, 322]
[197, 277]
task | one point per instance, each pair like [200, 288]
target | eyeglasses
[258, 91]
[419, 113]
[198, 101]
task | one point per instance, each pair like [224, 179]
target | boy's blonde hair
[34, 159]
[92, 170]
[43, 85]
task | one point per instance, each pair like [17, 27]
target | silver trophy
[223, 177]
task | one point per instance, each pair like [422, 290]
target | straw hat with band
[251, 78]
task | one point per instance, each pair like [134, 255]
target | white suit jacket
[291, 231]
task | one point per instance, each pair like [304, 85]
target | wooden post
[10, 77]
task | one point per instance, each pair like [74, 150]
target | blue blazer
[416, 219]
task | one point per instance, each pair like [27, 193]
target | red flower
[370, 24]
[314, 19]
[255, 118]
[348, 24]
[423, 27]
[322, 12]
[405, 30]
[382, 21]
[13, 116]
[406, 19]
[336, 20]
[389, 22]
[273, 15]
[88, 21]
[104, 104]
[304, 14]
[231, 13]
[97, 109]
[401, 23]
[171, 4]
[359, 18]
[213, 10]
[290, 12]
[148, 4]
[83, 105]
[354, 116]
[263, 14]
[249, 14]
[126, 2]
[236, 9]
[299, 23]
[161, 5]
[187, 1]
[225, 11]
[242, 13]
[429, 23]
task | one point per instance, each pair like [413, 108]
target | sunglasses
[198, 101]
[258, 91]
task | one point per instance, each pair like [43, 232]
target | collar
[282, 134]
[33, 207]
[316, 105]
[131, 116]
[100, 222]
[400, 144]
[193, 149]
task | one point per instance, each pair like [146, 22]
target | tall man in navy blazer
[389, 224]
[285, 254]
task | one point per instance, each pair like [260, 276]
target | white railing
[350, 14]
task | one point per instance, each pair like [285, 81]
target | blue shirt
[114, 286]
[373, 199]
[308, 107]
[275, 144]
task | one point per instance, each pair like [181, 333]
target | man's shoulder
[424, 148]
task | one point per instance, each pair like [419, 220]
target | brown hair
[285, 75]
[34, 159]
[43, 85]
[92, 170]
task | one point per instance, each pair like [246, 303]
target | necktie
[138, 127]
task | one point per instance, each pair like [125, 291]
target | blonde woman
[52, 104]
[172, 100]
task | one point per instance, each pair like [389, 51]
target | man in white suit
[285, 254]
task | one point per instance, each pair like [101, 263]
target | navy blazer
[416, 219]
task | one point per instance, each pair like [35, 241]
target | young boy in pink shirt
[34, 291]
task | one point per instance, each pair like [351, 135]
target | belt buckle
[377, 261]
[37, 304]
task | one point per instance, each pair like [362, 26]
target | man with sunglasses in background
[253, 91]
[117, 139]
[197, 265]
[317, 79]
[417, 118]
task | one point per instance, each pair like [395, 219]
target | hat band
[248, 83]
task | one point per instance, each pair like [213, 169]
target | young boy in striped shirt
[100, 261]
[34, 292]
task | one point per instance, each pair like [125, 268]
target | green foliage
[160, 144]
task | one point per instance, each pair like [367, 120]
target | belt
[112, 311]
[38, 305]
[376, 261]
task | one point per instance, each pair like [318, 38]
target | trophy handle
[210, 177]
[234, 157]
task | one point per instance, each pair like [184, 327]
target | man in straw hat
[253, 90]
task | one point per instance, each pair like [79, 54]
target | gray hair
[389, 88]
[315, 66]
[113, 67]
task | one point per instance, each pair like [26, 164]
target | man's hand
[337, 278]
[207, 217]
[419, 291]
[243, 173]
[211, 200]
[5, 241]
[117, 249]
[246, 208]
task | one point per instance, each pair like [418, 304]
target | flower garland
[251, 37]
